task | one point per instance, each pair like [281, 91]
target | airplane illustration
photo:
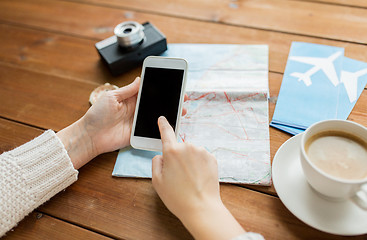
[324, 64]
[350, 80]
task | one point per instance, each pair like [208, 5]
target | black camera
[130, 45]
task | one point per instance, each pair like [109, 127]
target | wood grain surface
[49, 66]
[296, 17]
[351, 3]
[41, 226]
[82, 22]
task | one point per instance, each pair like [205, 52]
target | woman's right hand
[186, 179]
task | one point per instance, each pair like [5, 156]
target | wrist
[212, 221]
[78, 143]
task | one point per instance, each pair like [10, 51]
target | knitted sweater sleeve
[30, 175]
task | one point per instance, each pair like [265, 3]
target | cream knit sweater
[30, 175]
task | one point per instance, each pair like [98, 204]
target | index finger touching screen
[167, 134]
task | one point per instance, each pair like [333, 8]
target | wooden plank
[76, 58]
[40, 226]
[351, 3]
[53, 53]
[359, 112]
[56, 54]
[298, 17]
[12, 135]
[42, 100]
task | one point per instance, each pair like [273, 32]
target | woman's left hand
[105, 127]
[108, 122]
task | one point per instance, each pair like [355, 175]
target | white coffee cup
[329, 186]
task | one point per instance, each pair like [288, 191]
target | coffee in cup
[338, 154]
[334, 160]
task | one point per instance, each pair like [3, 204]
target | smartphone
[161, 93]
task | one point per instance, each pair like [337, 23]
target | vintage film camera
[130, 45]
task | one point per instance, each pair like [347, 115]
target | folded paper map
[227, 86]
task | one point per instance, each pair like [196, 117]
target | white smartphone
[161, 93]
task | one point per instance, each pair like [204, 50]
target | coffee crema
[339, 154]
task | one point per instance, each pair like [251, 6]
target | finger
[157, 165]
[184, 111]
[167, 134]
[186, 98]
[129, 90]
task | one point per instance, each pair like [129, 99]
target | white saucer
[342, 218]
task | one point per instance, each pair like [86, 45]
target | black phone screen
[160, 96]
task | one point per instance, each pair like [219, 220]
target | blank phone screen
[160, 96]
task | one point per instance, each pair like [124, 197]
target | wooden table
[48, 67]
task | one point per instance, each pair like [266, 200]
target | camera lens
[129, 34]
[127, 30]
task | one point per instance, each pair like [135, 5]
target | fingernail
[161, 118]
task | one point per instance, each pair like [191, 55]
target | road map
[227, 86]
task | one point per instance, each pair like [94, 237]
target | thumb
[129, 90]
[157, 165]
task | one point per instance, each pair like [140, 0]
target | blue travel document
[352, 81]
[311, 87]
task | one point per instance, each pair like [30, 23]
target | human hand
[186, 179]
[105, 127]
[186, 176]
[108, 122]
